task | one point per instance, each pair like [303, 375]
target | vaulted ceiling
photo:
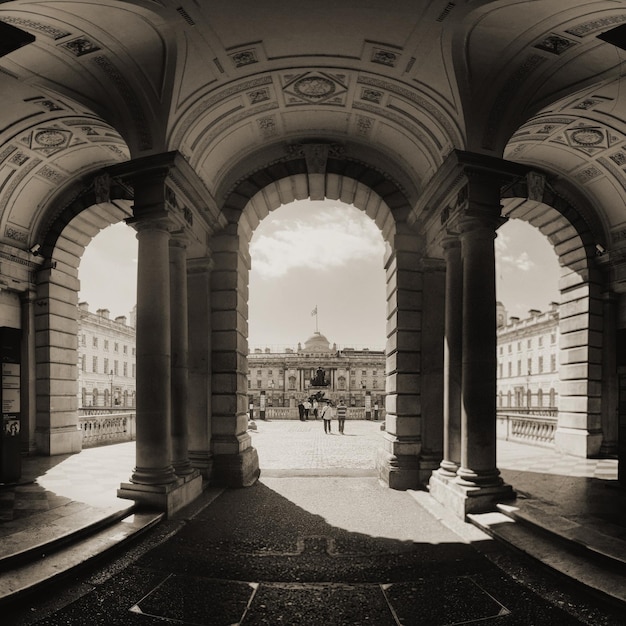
[234, 85]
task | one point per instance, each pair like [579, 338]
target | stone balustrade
[102, 427]
[534, 426]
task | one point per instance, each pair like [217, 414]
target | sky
[324, 256]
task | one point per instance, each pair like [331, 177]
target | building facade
[528, 360]
[106, 359]
[282, 378]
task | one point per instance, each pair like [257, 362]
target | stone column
[479, 361]
[199, 388]
[452, 358]
[153, 353]
[180, 342]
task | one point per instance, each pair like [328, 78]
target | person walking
[315, 409]
[342, 411]
[301, 410]
[307, 409]
[327, 416]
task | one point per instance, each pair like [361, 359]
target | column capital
[200, 265]
[152, 222]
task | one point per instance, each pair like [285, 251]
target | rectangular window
[540, 364]
[540, 342]
[500, 370]
[530, 366]
[95, 342]
[95, 365]
[529, 344]
[510, 369]
[116, 347]
[519, 368]
[106, 366]
[134, 370]
[519, 346]
[364, 373]
[115, 367]
[269, 372]
[106, 344]
[553, 338]
[125, 349]
[553, 363]
[125, 368]
[510, 348]
[258, 384]
[83, 365]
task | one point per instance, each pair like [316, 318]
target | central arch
[412, 442]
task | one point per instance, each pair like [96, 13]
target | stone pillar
[56, 310]
[235, 461]
[199, 388]
[579, 426]
[610, 382]
[28, 397]
[432, 384]
[180, 342]
[399, 459]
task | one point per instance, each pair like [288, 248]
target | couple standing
[328, 412]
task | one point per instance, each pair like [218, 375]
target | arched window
[529, 398]
[106, 398]
[540, 398]
[83, 397]
[508, 398]
[341, 383]
[125, 397]
[292, 382]
[94, 395]
[552, 398]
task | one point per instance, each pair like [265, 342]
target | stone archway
[576, 240]
[413, 427]
[64, 239]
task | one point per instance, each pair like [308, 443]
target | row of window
[529, 344]
[95, 342]
[529, 367]
[259, 373]
[292, 386]
[105, 367]
[527, 399]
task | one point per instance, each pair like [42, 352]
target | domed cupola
[317, 343]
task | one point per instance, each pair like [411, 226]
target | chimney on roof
[513, 319]
[121, 319]
[83, 306]
[534, 312]
[103, 313]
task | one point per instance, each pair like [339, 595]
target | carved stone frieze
[315, 87]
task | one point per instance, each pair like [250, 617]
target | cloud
[326, 240]
[521, 262]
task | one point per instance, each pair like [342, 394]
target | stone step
[584, 537]
[48, 562]
[41, 534]
[571, 559]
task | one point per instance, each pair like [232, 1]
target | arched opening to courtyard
[317, 332]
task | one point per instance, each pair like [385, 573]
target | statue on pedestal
[320, 379]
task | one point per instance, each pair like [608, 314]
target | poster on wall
[10, 440]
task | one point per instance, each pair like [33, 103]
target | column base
[168, 498]
[202, 461]
[399, 472]
[64, 440]
[578, 442]
[462, 499]
[236, 470]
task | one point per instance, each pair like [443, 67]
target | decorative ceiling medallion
[47, 140]
[588, 139]
[587, 136]
[315, 87]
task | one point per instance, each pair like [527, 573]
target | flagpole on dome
[314, 312]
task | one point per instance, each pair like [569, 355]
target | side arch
[581, 316]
